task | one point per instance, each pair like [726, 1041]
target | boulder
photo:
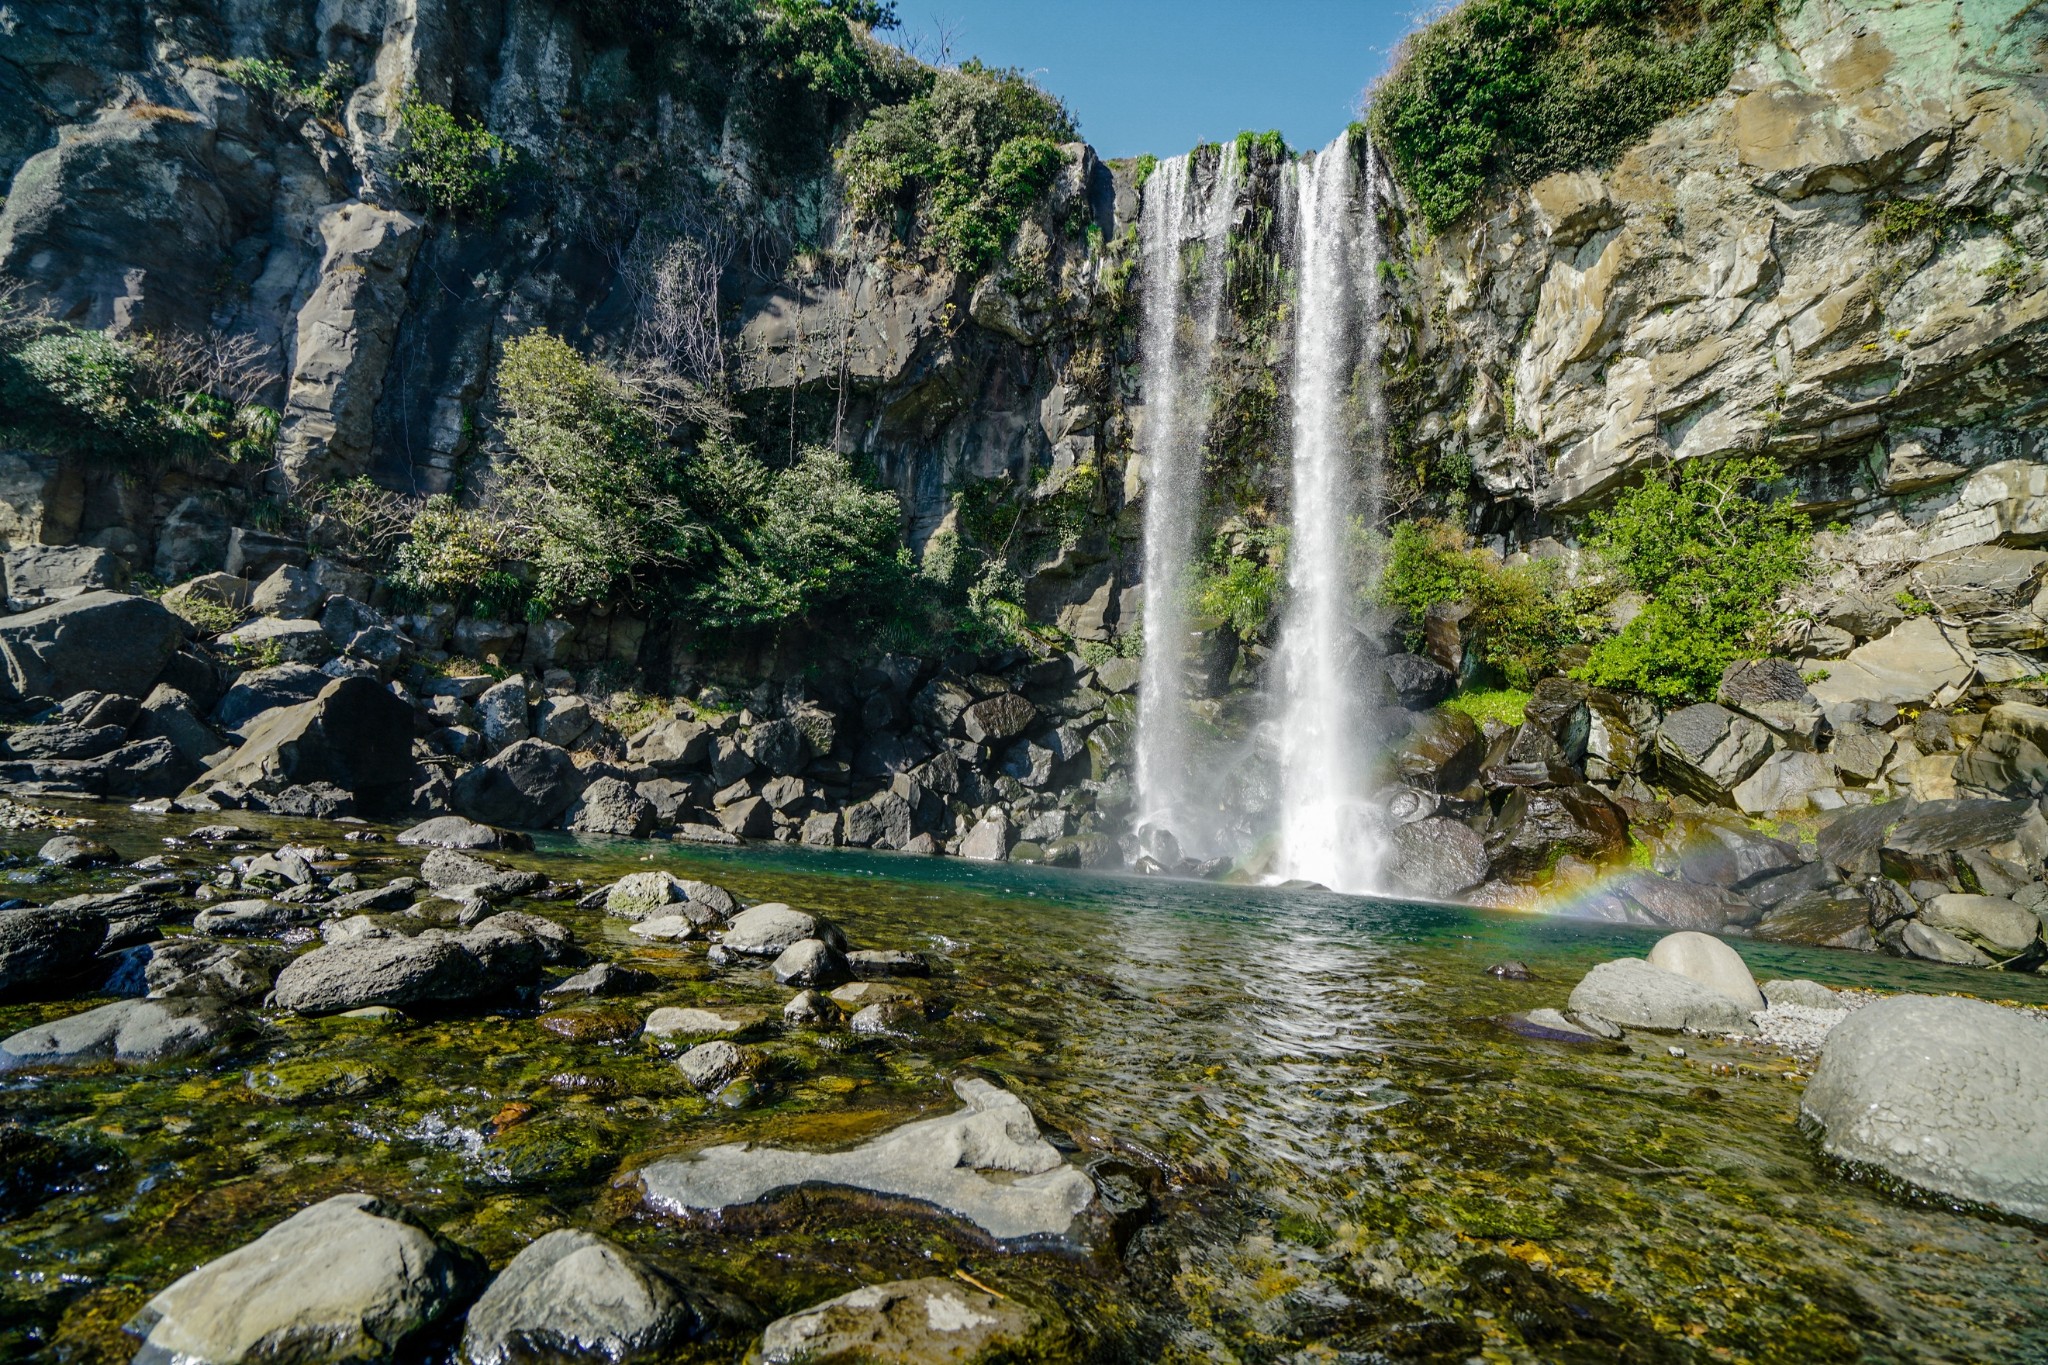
[671, 747]
[1785, 783]
[1707, 750]
[808, 962]
[1442, 753]
[296, 640]
[766, 930]
[266, 689]
[1685, 905]
[1980, 580]
[937, 1161]
[195, 966]
[995, 719]
[170, 715]
[1772, 691]
[453, 831]
[39, 946]
[881, 821]
[1914, 939]
[1437, 858]
[1634, 994]
[105, 640]
[354, 735]
[135, 1031]
[710, 1067]
[290, 593]
[1536, 825]
[1415, 682]
[1557, 709]
[1615, 727]
[1712, 963]
[69, 850]
[610, 806]
[989, 840]
[563, 720]
[932, 1319]
[350, 1279]
[1947, 1094]
[778, 746]
[528, 786]
[501, 714]
[571, 1295]
[1991, 923]
[431, 968]
[1921, 662]
[457, 873]
[671, 1021]
[37, 575]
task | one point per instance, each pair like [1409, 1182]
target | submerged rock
[573, 1295]
[938, 1161]
[350, 1279]
[908, 1321]
[125, 1031]
[1947, 1094]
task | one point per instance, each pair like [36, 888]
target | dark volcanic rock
[43, 945]
[528, 786]
[104, 640]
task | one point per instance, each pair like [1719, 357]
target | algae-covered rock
[316, 1080]
[928, 1320]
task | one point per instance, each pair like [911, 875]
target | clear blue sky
[1160, 76]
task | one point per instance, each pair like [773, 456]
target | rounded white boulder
[1712, 963]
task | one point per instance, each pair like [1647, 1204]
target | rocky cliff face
[152, 191]
[1835, 262]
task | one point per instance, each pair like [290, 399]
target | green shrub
[595, 487]
[1710, 551]
[821, 43]
[819, 540]
[966, 158]
[1522, 613]
[1241, 588]
[64, 389]
[1505, 91]
[1504, 704]
[322, 95]
[451, 552]
[453, 165]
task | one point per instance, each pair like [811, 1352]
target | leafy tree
[817, 539]
[1502, 91]
[965, 159]
[1711, 551]
[594, 483]
[454, 165]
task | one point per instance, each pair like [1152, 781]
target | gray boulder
[501, 713]
[350, 1279]
[1920, 662]
[290, 593]
[1415, 682]
[266, 689]
[809, 962]
[1772, 691]
[610, 806]
[1711, 962]
[1706, 750]
[671, 747]
[44, 945]
[1991, 923]
[768, 929]
[989, 840]
[1438, 858]
[201, 967]
[881, 821]
[105, 640]
[528, 786]
[40, 574]
[572, 1295]
[563, 720]
[355, 735]
[1947, 1094]
[778, 746]
[431, 968]
[453, 831]
[450, 871]
[932, 1319]
[135, 1031]
[297, 640]
[997, 718]
[171, 715]
[1633, 994]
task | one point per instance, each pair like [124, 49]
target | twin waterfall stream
[1310, 757]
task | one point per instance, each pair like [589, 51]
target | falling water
[1178, 341]
[1326, 830]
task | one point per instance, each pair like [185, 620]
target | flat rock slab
[349, 1279]
[125, 1031]
[939, 1161]
[1948, 1094]
[909, 1320]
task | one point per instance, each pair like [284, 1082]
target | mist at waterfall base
[1296, 799]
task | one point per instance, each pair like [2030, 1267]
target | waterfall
[1327, 832]
[1178, 338]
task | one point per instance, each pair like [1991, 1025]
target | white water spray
[1327, 830]
[1178, 343]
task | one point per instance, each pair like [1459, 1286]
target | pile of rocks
[321, 705]
[1923, 829]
